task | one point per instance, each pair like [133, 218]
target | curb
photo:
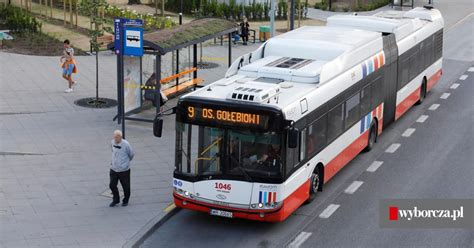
[149, 228]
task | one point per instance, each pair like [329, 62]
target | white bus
[287, 117]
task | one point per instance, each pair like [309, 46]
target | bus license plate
[220, 213]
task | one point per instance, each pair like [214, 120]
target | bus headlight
[260, 205]
[186, 193]
[253, 205]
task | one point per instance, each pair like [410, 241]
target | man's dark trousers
[124, 178]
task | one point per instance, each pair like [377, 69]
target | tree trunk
[97, 76]
[70, 13]
[64, 9]
[76, 10]
[162, 7]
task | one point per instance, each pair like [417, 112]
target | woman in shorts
[68, 65]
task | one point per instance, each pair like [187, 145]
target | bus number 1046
[225, 186]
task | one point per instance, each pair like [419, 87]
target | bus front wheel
[314, 185]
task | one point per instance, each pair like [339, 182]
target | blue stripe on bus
[260, 197]
[364, 70]
[371, 66]
[362, 128]
[265, 197]
[369, 116]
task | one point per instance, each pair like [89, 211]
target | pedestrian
[68, 64]
[122, 154]
[244, 30]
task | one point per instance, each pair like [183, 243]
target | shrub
[18, 20]
[371, 5]
[321, 5]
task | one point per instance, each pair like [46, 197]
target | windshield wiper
[247, 176]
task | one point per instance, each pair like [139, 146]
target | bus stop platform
[55, 156]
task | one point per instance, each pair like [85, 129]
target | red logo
[393, 213]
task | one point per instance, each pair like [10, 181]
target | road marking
[445, 96]
[170, 207]
[299, 240]
[392, 148]
[353, 187]
[471, 69]
[460, 21]
[454, 86]
[408, 132]
[422, 118]
[463, 77]
[329, 211]
[434, 106]
[374, 166]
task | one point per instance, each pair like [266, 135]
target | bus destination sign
[204, 115]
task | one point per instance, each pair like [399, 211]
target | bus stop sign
[128, 38]
[133, 41]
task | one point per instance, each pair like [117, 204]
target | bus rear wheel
[314, 185]
[422, 92]
[372, 138]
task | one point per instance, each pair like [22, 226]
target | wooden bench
[172, 91]
[181, 88]
[103, 41]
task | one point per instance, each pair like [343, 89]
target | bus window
[291, 159]
[365, 97]
[186, 139]
[414, 64]
[404, 71]
[303, 144]
[352, 110]
[210, 148]
[428, 52]
[198, 155]
[316, 136]
[256, 154]
[335, 121]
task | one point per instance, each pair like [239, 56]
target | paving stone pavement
[54, 155]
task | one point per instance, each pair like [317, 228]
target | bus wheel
[372, 138]
[422, 92]
[314, 185]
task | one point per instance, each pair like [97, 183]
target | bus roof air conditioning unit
[254, 93]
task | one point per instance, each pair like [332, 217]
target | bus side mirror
[293, 137]
[157, 127]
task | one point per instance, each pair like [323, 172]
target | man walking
[122, 154]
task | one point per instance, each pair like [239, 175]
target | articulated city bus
[287, 117]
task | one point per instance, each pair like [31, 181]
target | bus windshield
[227, 154]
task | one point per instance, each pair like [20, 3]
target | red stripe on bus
[376, 62]
[274, 196]
[406, 104]
[290, 204]
[434, 79]
[345, 156]
[381, 59]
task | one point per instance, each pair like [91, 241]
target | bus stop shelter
[161, 42]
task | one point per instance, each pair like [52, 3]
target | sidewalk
[54, 156]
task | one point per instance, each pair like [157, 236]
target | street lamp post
[272, 18]
[292, 15]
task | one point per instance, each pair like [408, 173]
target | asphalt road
[435, 161]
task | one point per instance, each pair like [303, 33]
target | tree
[96, 11]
